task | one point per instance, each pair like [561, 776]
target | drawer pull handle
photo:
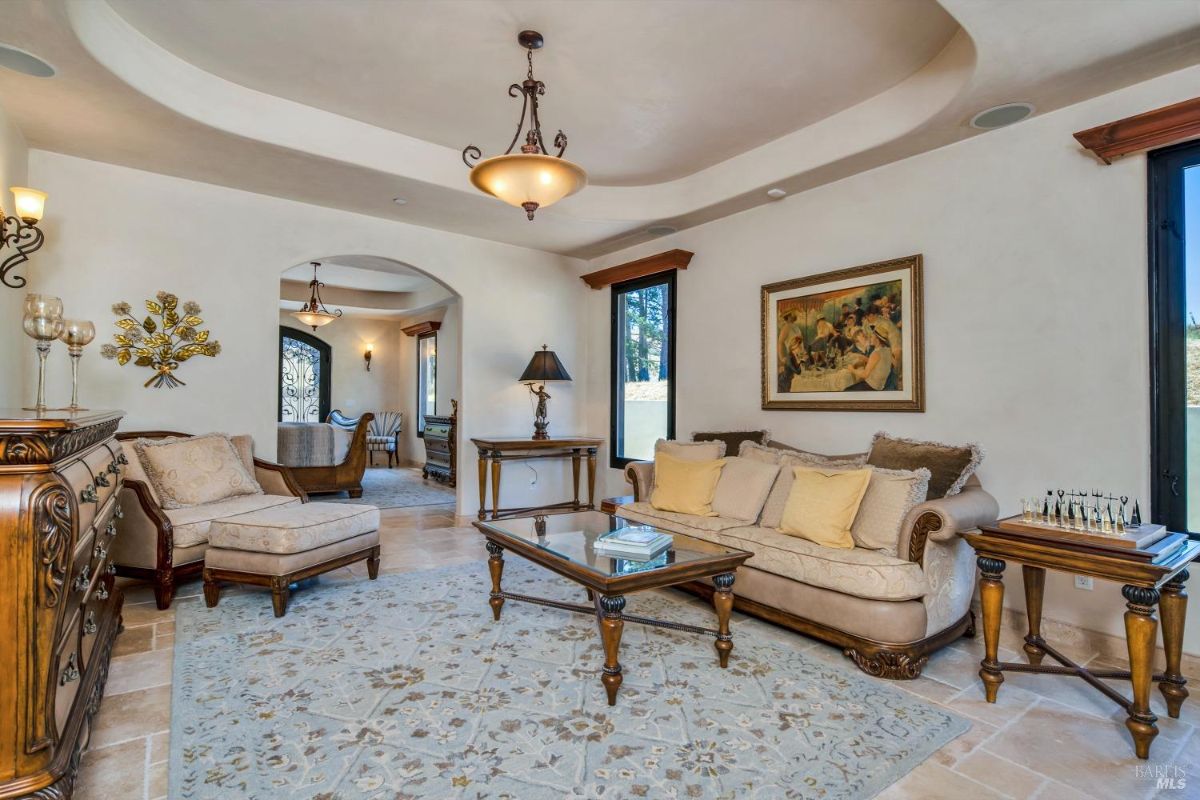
[112, 569]
[99, 553]
[89, 625]
[83, 578]
[70, 673]
[114, 469]
[102, 592]
[118, 513]
[102, 480]
[88, 494]
[111, 530]
[122, 460]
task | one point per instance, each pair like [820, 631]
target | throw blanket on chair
[306, 444]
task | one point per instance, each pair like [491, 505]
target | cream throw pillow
[743, 488]
[686, 487]
[891, 494]
[822, 504]
[195, 471]
[690, 451]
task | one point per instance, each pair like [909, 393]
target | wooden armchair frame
[165, 576]
[346, 476]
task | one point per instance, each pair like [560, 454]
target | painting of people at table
[828, 337]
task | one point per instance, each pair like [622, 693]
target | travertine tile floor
[1047, 737]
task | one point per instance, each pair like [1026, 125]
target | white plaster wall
[13, 161]
[1035, 311]
[123, 234]
[352, 388]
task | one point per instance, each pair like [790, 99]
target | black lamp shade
[544, 366]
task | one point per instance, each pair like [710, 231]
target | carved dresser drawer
[440, 435]
[60, 482]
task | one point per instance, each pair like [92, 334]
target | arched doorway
[305, 376]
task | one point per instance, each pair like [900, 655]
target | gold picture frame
[849, 340]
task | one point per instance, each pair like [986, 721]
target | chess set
[1091, 517]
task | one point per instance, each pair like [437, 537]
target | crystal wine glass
[77, 334]
[43, 322]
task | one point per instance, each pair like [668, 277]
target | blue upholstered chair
[384, 435]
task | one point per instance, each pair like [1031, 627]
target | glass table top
[571, 536]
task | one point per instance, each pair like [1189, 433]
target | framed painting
[850, 340]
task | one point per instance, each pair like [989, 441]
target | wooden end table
[1147, 584]
[563, 544]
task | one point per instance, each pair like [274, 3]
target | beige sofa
[167, 546]
[886, 612]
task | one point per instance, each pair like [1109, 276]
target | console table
[1149, 583]
[498, 450]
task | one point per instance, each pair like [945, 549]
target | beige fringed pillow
[891, 494]
[743, 488]
[690, 451]
[195, 471]
[823, 503]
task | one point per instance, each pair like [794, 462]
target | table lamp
[543, 367]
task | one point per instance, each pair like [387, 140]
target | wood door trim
[1158, 128]
[632, 270]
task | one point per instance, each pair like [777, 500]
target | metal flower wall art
[169, 335]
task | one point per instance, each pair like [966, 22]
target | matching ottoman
[278, 546]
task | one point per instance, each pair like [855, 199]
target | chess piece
[1135, 519]
[1124, 502]
[1046, 507]
[1106, 519]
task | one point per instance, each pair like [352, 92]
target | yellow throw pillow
[823, 503]
[687, 487]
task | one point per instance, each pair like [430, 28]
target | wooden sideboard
[441, 447]
[60, 481]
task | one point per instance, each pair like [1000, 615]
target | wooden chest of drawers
[441, 447]
[60, 481]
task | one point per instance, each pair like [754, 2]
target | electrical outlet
[1084, 582]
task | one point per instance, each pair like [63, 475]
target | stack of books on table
[637, 542]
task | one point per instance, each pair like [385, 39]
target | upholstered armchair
[384, 436]
[167, 546]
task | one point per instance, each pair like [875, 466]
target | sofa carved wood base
[901, 661]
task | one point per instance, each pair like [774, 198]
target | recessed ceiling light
[999, 116]
[776, 193]
[25, 63]
[399, 201]
[661, 230]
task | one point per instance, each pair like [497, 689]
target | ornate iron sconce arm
[24, 239]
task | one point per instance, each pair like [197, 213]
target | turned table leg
[1172, 607]
[611, 625]
[1035, 587]
[1140, 632]
[483, 484]
[991, 598]
[495, 485]
[723, 602]
[280, 594]
[496, 568]
[576, 457]
[591, 469]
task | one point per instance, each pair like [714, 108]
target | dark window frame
[1168, 340]
[420, 395]
[324, 388]
[616, 407]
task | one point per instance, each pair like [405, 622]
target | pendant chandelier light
[533, 178]
[314, 312]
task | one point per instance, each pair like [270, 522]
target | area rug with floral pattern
[406, 688]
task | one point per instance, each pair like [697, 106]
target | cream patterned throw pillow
[195, 471]
[891, 494]
[690, 451]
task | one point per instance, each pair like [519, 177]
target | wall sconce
[367, 355]
[20, 232]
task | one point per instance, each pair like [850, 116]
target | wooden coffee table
[562, 543]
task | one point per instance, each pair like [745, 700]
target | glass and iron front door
[304, 375]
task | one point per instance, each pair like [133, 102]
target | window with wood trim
[426, 379]
[643, 366]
